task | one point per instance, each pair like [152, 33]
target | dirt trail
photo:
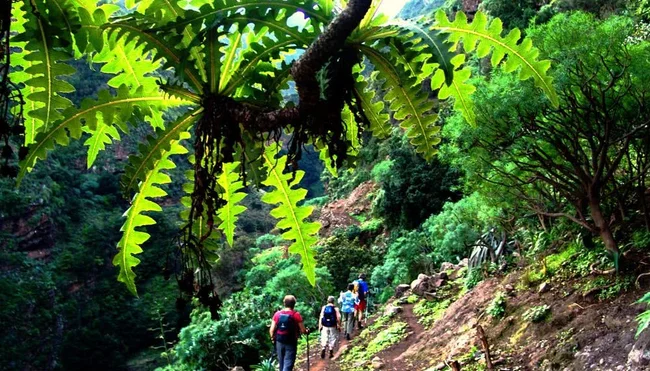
[390, 357]
[326, 364]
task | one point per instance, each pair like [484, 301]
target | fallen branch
[486, 347]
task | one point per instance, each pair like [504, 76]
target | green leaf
[291, 217]
[102, 135]
[129, 61]
[230, 181]
[132, 239]
[485, 37]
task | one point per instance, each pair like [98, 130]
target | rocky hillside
[566, 317]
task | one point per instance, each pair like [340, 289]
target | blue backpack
[329, 316]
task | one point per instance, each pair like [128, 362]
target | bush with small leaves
[473, 278]
[537, 314]
[497, 308]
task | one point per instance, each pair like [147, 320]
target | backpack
[286, 329]
[329, 316]
[361, 289]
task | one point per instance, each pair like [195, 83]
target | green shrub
[497, 308]
[428, 312]
[382, 170]
[473, 278]
[537, 314]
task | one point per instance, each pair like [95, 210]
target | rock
[640, 354]
[463, 263]
[423, 277]
[443, 275]
[419, 287]
[237, 368]
[439, 282]
[446, 266]
[377, 363]
[509, 289]
[401, 289]
[544, 287]
[392, 310]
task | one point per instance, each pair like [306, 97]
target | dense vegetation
[208, 132]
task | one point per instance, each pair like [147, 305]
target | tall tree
[587, 160]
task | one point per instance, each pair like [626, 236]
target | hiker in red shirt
[286, 327]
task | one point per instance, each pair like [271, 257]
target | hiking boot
[322, 353]
[347, 336]
[331, 353]
[359, 325]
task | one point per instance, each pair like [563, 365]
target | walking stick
[307, 350]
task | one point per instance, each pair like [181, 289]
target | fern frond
[291, 217]
[422, 41]
[212, 13]
[232, 185]
[44, 48]
[159, 45]
[102, 135]
[129, 62]
[148, 153]
[485, 37]
[19, 76]
[408, 103]
[117, 110]
[132, 239]
[90, 37]
[459, 89]
[265, 48]
[374, 111]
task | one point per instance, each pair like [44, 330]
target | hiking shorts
[361, 306]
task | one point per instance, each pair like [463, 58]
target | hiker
[329, 326]
[348, 299]
[286, 327]
[361, 288]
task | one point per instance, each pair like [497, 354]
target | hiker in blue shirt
[361, 287]
[348, 300]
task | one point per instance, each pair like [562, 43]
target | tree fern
[231, 183]
[132, 238]
[291, 217]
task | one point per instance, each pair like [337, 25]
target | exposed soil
[338, 214]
